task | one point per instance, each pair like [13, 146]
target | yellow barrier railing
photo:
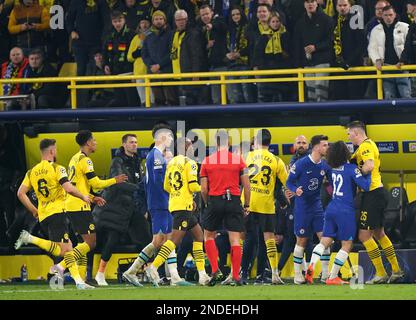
[220, 78]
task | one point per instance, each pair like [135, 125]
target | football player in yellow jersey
[373, 204]
[50, 182]
[264, 168]
[81, 174]
[181, 182]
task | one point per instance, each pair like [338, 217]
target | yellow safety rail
[221, 78]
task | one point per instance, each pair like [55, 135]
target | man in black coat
[47, 95]
[313, 42]
[120, 215]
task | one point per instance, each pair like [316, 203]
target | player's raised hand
[299, 191]
[121, 178]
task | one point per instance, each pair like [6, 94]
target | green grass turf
[288, 292]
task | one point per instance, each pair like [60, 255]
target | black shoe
[216, 277]
[164, 282]
[236, 283]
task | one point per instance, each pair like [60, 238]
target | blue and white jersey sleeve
[292, 182]
[362, 181]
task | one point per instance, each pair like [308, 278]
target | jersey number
[177, 182]
[266, 170]
[42, 187]
[337, 182]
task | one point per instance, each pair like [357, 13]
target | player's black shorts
[266, 222]
[81, 222]
[373, 204]
[55, 226]
[221, 213]
[184, 220]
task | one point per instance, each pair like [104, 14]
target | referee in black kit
[221, 174]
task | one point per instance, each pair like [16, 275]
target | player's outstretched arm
[24, 199]
[73, 191]
[368, 166]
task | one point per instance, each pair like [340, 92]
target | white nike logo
[307, 172]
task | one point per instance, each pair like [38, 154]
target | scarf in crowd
[337, 36]
[329, 8]
[274, 45]
[176, 51]
[14, 72]
[91, 6]
[262, 29]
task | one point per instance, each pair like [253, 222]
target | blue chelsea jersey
[157, 197]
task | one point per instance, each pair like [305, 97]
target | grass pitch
[37, 291]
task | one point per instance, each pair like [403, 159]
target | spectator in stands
[313, 42]
[15, 68]
[161, 5]
[47, 95]
[4, 32]
[116, 47]
[87, 22]
[156, 57]
[275, 5]
[98, 97]
[187, 56]
[386, 45]
[237, 45]
[57, 39]
[119, 215]
[27, 23]
[349, 46]
[272, 52]
[135, 56]
[132, 12]
[214, 31]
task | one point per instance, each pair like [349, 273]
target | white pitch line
[71, 289]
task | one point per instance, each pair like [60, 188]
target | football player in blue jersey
[340, 222]
[305, 180]
[157, 204]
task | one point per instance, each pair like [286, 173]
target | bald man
[301, 147]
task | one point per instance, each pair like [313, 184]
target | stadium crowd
[177, 36]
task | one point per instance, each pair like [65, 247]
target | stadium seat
[392, 224]
[68, 69]
[409, 226]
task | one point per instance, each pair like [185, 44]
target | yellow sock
[388, 249]
[79, 251]
[72, 266]
[199, 257]
[47, 245]
[272, 253]
[164, 253]
[82, 266]
[375, 256]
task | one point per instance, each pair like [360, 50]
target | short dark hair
[115, 14]
[338, 154]
[159, 126]
[264, 137]
[46, 143]
[37, 52]
[388, 7]
[82, 137]
[205, 6]
[221, 137]
[269, 8]
[356, 124]
[126, 137]
[317, 139]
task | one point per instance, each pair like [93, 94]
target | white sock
[338, 263]
[325, 262]
[173, 266]
[317, 253]
[202, 273]
[143, 257]
[297, 259]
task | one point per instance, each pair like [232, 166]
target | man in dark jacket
[47, 95]
[214, 31]
[313, 42]
[119, 215]
[188, 59]
[156, 54]
[349, 46]
[87, 22]
[116, 47]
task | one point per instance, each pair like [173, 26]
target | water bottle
[23, 273]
